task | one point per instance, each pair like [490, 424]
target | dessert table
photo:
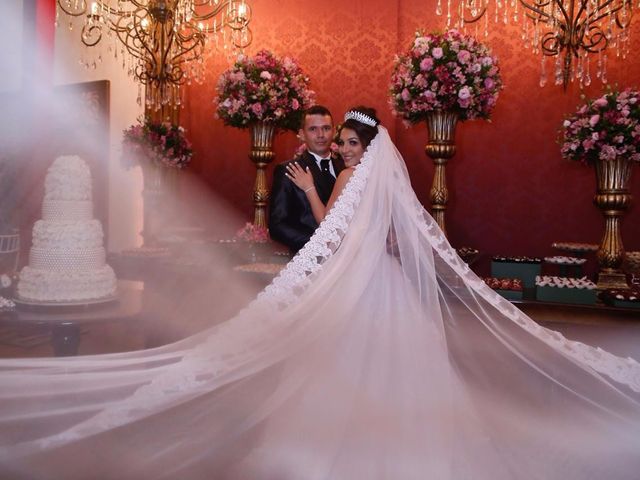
[64, 323]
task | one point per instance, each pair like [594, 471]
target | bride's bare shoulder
[346, 173]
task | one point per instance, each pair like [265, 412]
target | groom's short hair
[315, 110]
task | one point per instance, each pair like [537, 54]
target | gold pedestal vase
[440, 148]
[261, 155]
[613, 198]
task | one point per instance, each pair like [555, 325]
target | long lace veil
[376, 353]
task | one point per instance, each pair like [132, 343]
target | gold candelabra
[261, 155]
[569, 30]
[161, 42]
[440, 148]
[613, 199]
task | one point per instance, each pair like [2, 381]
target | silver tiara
[360, 117]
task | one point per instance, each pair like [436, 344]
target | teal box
[526, 272]
[580, 296]
[510, 294]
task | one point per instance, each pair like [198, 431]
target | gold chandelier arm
[88, 33]
[124, 34]
[550, 44]
[599, 40]
[215, 10]
[191, 41]
[80, 7]
[602, 13]
[572, 29]
[162, 41]
[77, 8]
[581, 10]
[537, 8]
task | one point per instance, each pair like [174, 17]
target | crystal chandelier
[569, 30]
[161, 42]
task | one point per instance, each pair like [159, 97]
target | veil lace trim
[623, 370]
[214, 358]
[295, 277]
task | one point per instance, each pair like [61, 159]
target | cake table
[64, 322]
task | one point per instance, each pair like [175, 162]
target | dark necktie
[324, 168]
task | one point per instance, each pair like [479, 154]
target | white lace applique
[214, 357]
[623, 370]
[294, 278]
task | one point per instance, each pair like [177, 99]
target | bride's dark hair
[365, 132]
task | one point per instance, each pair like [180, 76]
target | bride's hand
[300, 176]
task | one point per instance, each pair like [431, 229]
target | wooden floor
[617, 333]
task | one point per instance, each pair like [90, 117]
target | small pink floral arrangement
[604, 128]
[252, 234]
[263, 88]
[448, 71]
[159, 142]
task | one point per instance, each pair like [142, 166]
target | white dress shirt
[318, 158]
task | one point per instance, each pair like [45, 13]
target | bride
[375, 354]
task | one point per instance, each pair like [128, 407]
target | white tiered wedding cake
[67, 261]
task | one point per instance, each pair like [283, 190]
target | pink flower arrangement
[159, 142]
[252, 234]
[263, 88]
[604, 128]
[448, 71]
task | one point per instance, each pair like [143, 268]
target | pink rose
[426, 64]
[265, 75]
[593, 121]
[489, 83]
[420, 81]
[406, 96]
[463, 56]
[601, 102]
[607, 152]
[437, 52]
[295, 104]
[256, 108]
[588, 144]
[464, 93]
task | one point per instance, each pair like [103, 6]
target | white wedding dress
[376, 354]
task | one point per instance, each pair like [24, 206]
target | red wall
[511, 193]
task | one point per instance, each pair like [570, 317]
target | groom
[291, 220]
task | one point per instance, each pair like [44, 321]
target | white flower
[5, 281]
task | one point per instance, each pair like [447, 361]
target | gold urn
[261, 154]
[440, 148]
[612, 198]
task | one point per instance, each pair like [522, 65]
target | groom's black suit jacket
[291, 220]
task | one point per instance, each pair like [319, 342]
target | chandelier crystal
[569, 30]
[161, 42]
